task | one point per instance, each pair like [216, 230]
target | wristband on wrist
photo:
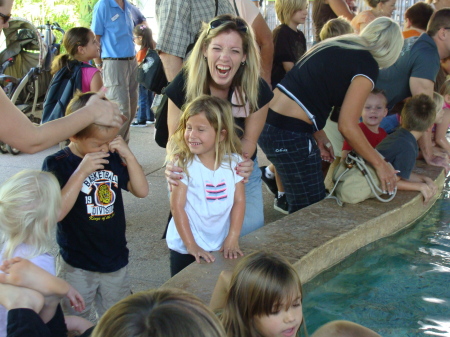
[99, 64]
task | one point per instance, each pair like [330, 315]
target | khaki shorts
[99, 290]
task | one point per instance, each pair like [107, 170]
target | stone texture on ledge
[319, 236]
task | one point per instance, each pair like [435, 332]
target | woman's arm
[340, 7]
[352, 106]
[288, 66]
[173, 117]
[18, 131]
[96, 82]
[253, 127]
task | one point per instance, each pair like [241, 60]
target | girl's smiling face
[224, 55]
[200, 137]
[91, 50]
[283, 321]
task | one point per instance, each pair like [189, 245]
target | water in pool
[398, 286]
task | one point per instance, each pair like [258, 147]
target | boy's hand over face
[121, 147]
[92, 162]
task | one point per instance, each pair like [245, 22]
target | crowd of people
[232, 86]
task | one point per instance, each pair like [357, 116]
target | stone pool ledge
[319, 236]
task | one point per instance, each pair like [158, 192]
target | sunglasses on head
[5, 18]
[240, 24]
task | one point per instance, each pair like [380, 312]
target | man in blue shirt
[112, 24]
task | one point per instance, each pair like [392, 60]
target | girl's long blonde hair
[260, 282]
[382, 38]
[218, 113]
[245, 81]
[30, 202]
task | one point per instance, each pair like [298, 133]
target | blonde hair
[445, 88]
[246, 79]
[260, 281]
[382, 38]
[438, 100]
[335, 27]
[159, 313]
[218, 113]
[30, 202]
[286, 8]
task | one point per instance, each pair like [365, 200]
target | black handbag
[150, 72]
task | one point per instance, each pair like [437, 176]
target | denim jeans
[254, 210]
[145, 102]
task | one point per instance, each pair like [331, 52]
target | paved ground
[146, 218]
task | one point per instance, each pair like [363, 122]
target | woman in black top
[337, 72]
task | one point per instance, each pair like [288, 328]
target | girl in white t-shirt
[208, 205]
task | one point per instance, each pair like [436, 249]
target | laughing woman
[293, 139]
[225, 63]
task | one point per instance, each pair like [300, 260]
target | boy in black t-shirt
[92, 171]
[400, 147]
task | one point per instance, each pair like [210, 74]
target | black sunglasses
[240, 24]
[5, 18]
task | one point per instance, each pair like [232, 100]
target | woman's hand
[325, 147]
[388, 177]
[173, 174]
[245, 168]
[76, 300]
[105, 112]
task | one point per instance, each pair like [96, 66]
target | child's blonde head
[285, 9]
[418, 113]
[30, 202]
[218, 113]
[79, 101]
[335, 27]
[159, 313]
[260, 282]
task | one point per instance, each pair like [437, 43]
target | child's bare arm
[177, 204]
[24, 273]
[138, 184]
[220, 292]
[420, 186]
[230, 246]
[90, 163]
